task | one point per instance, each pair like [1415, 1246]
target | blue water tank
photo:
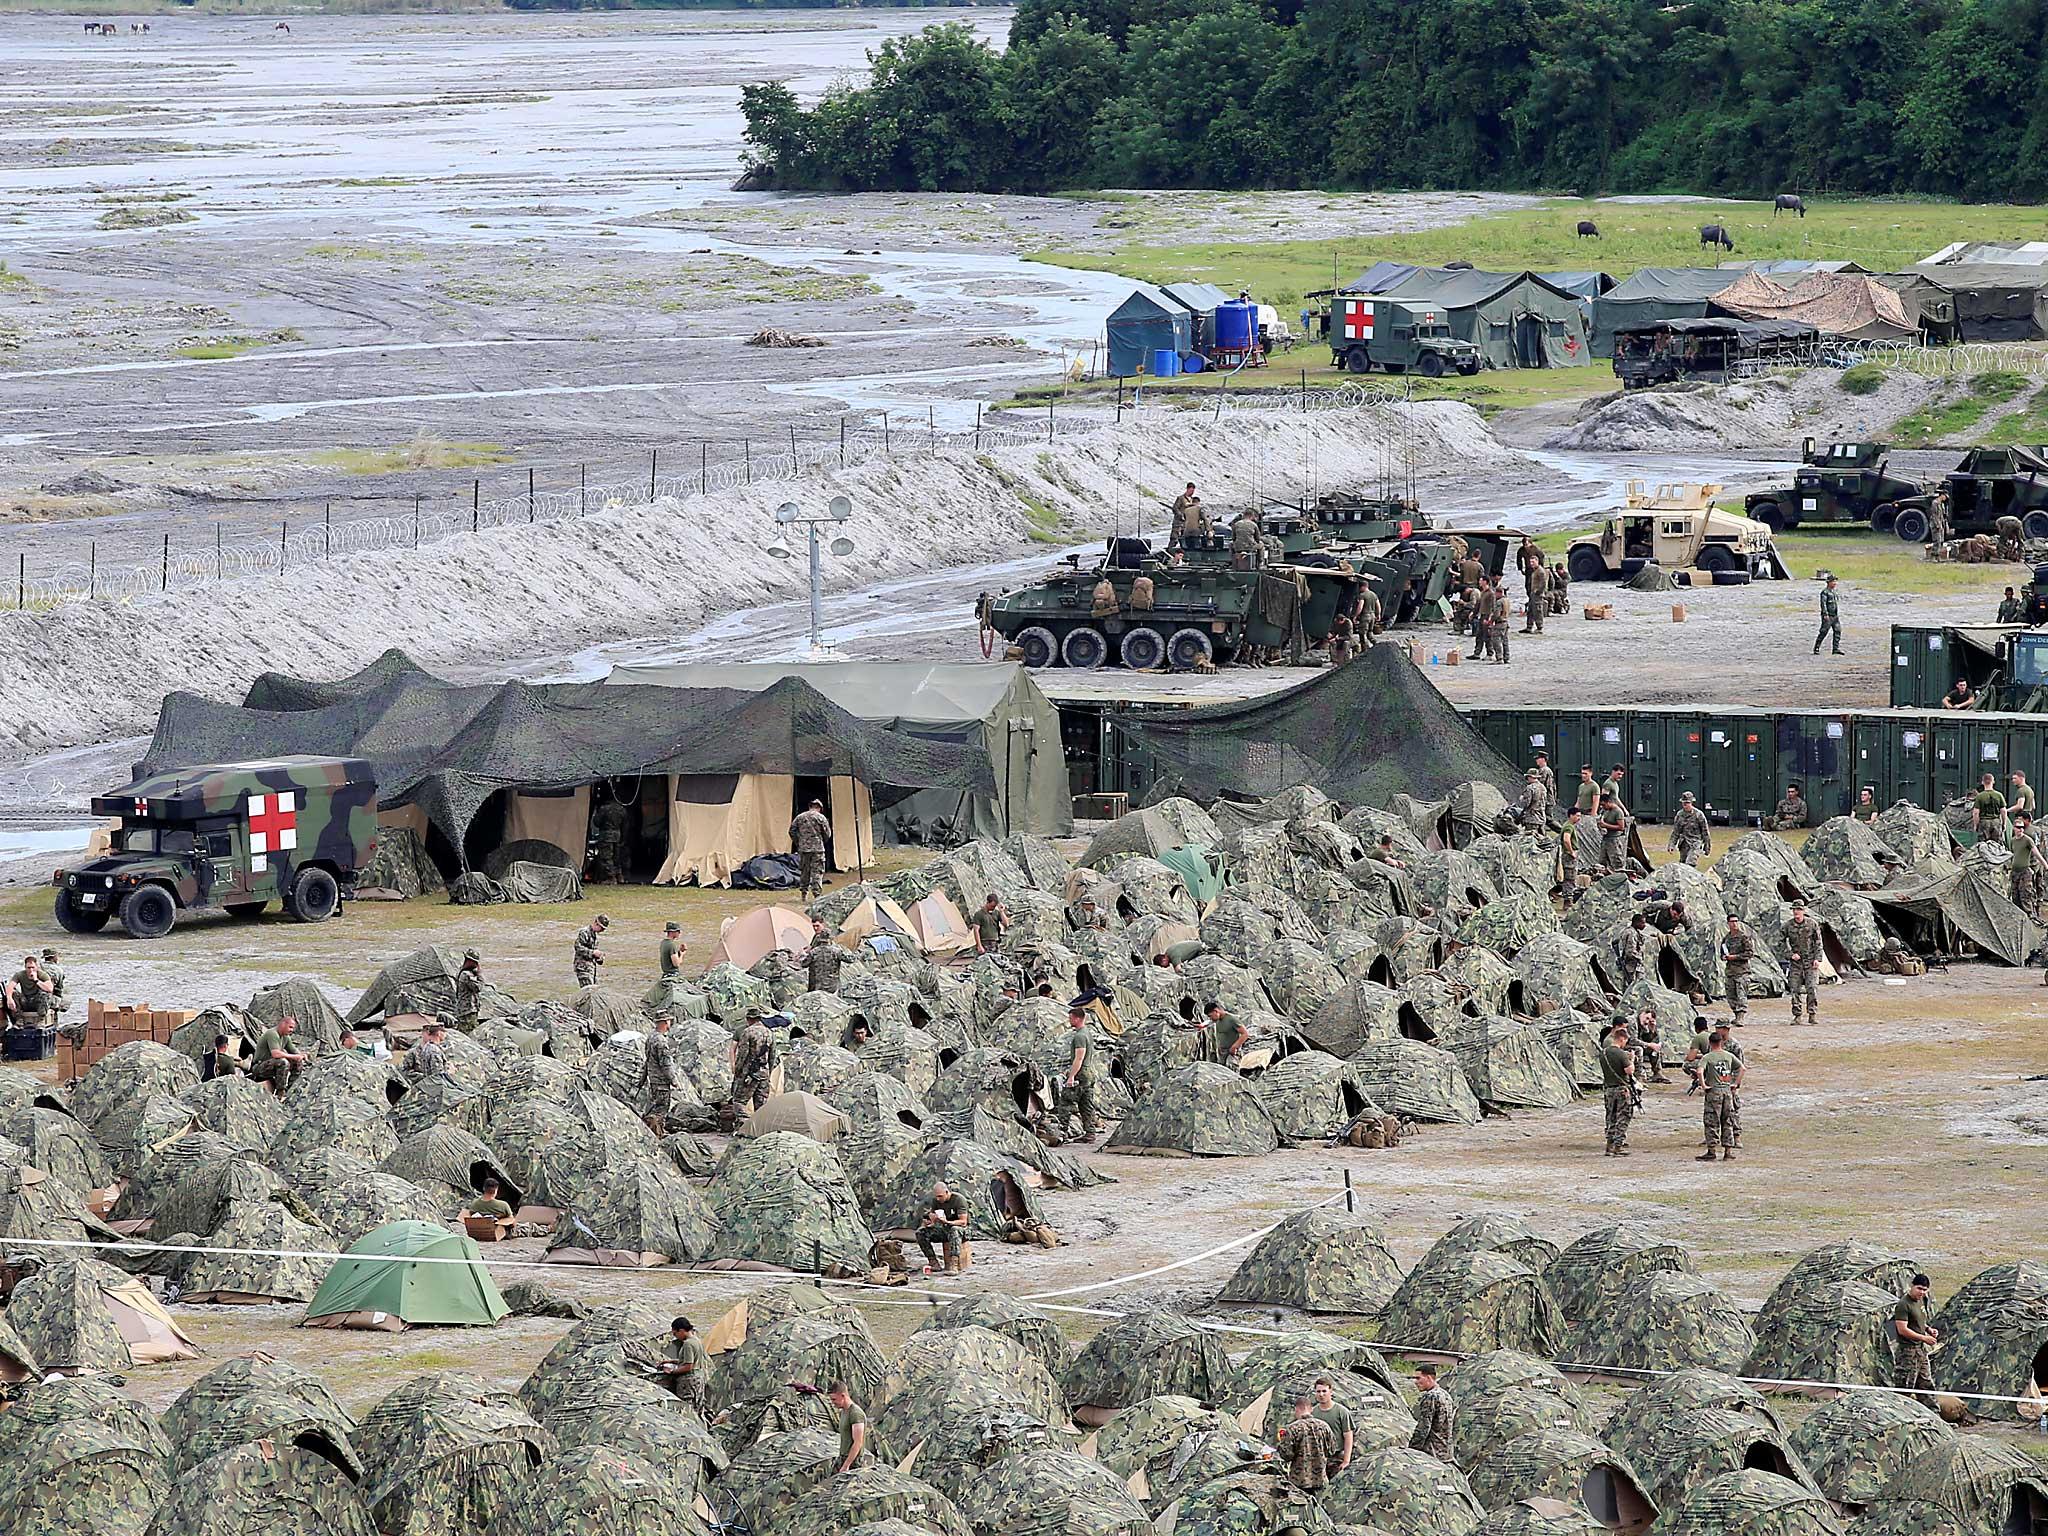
[1165, 363]
[1237, 326]
[1193, 362]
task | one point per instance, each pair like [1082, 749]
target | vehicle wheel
[1085, 649]
[314, 896]
[1767, 513]
[246, 911]
[1883, 515]
[1911, 525]
[74, 919]
[1431, 366]
[1731, 578]
[1357, 360]
[148, 911]
[1143, 649]
[1717, 559]
[1188, 649]
[1585, 564]
[2034, 525]
[1038, 646]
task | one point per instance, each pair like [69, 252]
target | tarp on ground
[1516, 319]
[1833, 303]
[1654, 294]
[449, 748]
[1360, 733]
[993, 714]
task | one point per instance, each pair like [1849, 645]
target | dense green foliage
[1736, 96]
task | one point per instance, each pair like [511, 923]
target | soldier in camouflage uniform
[1549, 778]
[469, 992]
[1738, 948]
[1617, 1088]
[29, 994]
[686, 1364]
[1628, 950]
[1536, 584]
[427, 1059]
[58, 1001]
[1802, 964]
[1306, 1449]
[1830, 617]
[1720, 1076]
[823, 960]
[1568, 855]
[1434, 1413]
[658, 1076]
[1790, 814]
[1987, 811]
[1915, 1337]
[1531, 811]
[586, 957]
[1690, 834]
[1613, 834]
[807, 834]
[753, 1063]
[2027, 863]
[608, 842]
[1077, 1087]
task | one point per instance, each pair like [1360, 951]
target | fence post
[653, 468]
[327, 534]
[219, 567]
[92, 571]
[977, 414]
[476, 504]
[703, 466]
[885, 436]
[416, 520]
[284, 530]
[164, 582]
[529, 494]
[1048, 421]
[1350, 1201]
[747, 453]
[931, 427]
[21, 580]
[582, 489]
[794, 466]
[842, 442]
[1304, 389]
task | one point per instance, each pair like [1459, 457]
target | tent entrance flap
[718, 821]
[853, 824]
[561, 819]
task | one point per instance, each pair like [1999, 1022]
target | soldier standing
[658, 1076]
[2021, 799]
[1531, 809]
[1244, 541]
[608, 842]
[2026, 864]
[1690, 834]
[586, 957]
[823, 960]
[807, 834]
[686, 1364]
[469, 992]
[54, 974]
[1549, 778]
[1613, 835]
[1587, 796]
[1617, 1088]
[1738, 948]
[1305, 1448]
[1614, 784]
[1500, 629]
[1937, 519]
[1077, 1088]
[1434, 1413]
[1830, 617]
[853, 1426]
[1916, 1336]
[2010, 609]
[1336, 1419]
[1568, 855]
[673, 949]
[1223, 1037]
[427, 1059]
[1720, 1077]
[1802, 967]
[1628, 950]
[1370, 614]
[989, 922]
[753, 1063]
[1987, 812]
[1538, 584]
[1791, 812]
[1189, 520]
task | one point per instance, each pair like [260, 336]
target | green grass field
[1881, 234]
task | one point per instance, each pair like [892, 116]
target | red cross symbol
[273, 823]
[1571, 343]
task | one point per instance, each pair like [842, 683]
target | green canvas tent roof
[373, 1285]
[1652, 294]
[1199, 869]
[1516, 319]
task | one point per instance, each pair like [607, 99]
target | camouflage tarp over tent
[1969, 899]
[1845, 304]
[1360, 734]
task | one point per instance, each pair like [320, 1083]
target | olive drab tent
[803, 1113]
[1144, 1355]
[374, 1286]
[1653, 294]
[992, 714]
[1322, 1260]
[1516, 319]
[1463, 1303]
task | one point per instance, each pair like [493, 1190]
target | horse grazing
[1715, 234]
[1789, 202]
[1588, 227]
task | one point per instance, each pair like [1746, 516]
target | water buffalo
[1588, 227]
[1789, 202]
[1715, 234]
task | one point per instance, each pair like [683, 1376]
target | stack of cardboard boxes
[109, 1026]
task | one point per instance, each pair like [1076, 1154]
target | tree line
[1730, 96]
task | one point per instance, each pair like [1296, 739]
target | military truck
[1367, 332]
[1990, 483]
[1843, 482]
[1679, 528]
[234, 836]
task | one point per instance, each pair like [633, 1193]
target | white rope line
[1164, 1269]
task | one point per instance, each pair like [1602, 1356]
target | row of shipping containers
[1738, 762]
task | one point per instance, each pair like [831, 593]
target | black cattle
[1715, 234]
[1588, 227]
[1789, 202]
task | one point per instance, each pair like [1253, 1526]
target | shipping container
[1814, 751]
[1921, 667]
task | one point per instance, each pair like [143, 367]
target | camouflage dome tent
[1045, 1492]
[1668, 1321]
[83, 1314]
[252, 1398]
[1756, 1503]
[424, 980]
[1993, 1486]
[1859, 1446]
[246, 1487]
[447, 1457]
[635, 1216]
[1322, 1260]
[263, 1253]
[1842, 849]
[1202, 1110]
[998, 1189]
[1563, 1464]
[1595, 1276]
[1994, 1334]
[1826, 1332]
[1416, 1081]
[600, 1488]
[929, 1355]
[1464, 1303]
[1495, 1232]
[1148, 1354]
[452, 1165]
[374, 1285]
[1311, 1094]
[1403, 1493]
[1540, 1517]
[868, 1494]
[783, 1199]
[1504, 1394]
[128, 1075]
[1248, 1501]
[1510, 1065]
[1645, 1415]
[56, 1470]
[1966, 901]
[1015, 1320]
[1693, 1447]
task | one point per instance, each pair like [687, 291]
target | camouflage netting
[1826, 1332]
[1322, 1260]
[1417, 1082]
[1203, 1110]
[1858, 1446]
[1593, 1277]
[283, 1488]
[1753, 1503]
[1552, 1464]
[783, 1199]
[1463, 1303]
[1667, 1322]
[1496, 1232]
[1994, 1334]
[1150, 1354]
[1403, 1493]
[1045, 1492]
[1016, 1320]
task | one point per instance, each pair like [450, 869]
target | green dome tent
[373, 1285]
[1147, 1354]
[1466, 1302]
[1600, 1274]
[1859, 1446]
[1405, 1493]
[448, 1456]
[1496, 1232]
[1018, 1321]
[81, 1475]
[1485, 1423]
[1203, 1111]
[1994, 1334]
[1562, 1464]
[1755, 1503]
[1669, 1321]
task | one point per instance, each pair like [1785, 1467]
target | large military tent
[1651, 294]
[1991, 300]
[989, 713]
[472, 757]
[1844, 304]
[1516, 319]
[375, 1284]
[1360, 733]
[1148, 321]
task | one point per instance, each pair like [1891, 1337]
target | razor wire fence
[1961, 359]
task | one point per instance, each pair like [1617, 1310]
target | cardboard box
[1678, 613]
[1599, 610]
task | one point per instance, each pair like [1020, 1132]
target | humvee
[1677, 527]
[1368, 333]
[1843, 482]
[1990, 483]
[235, 836]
